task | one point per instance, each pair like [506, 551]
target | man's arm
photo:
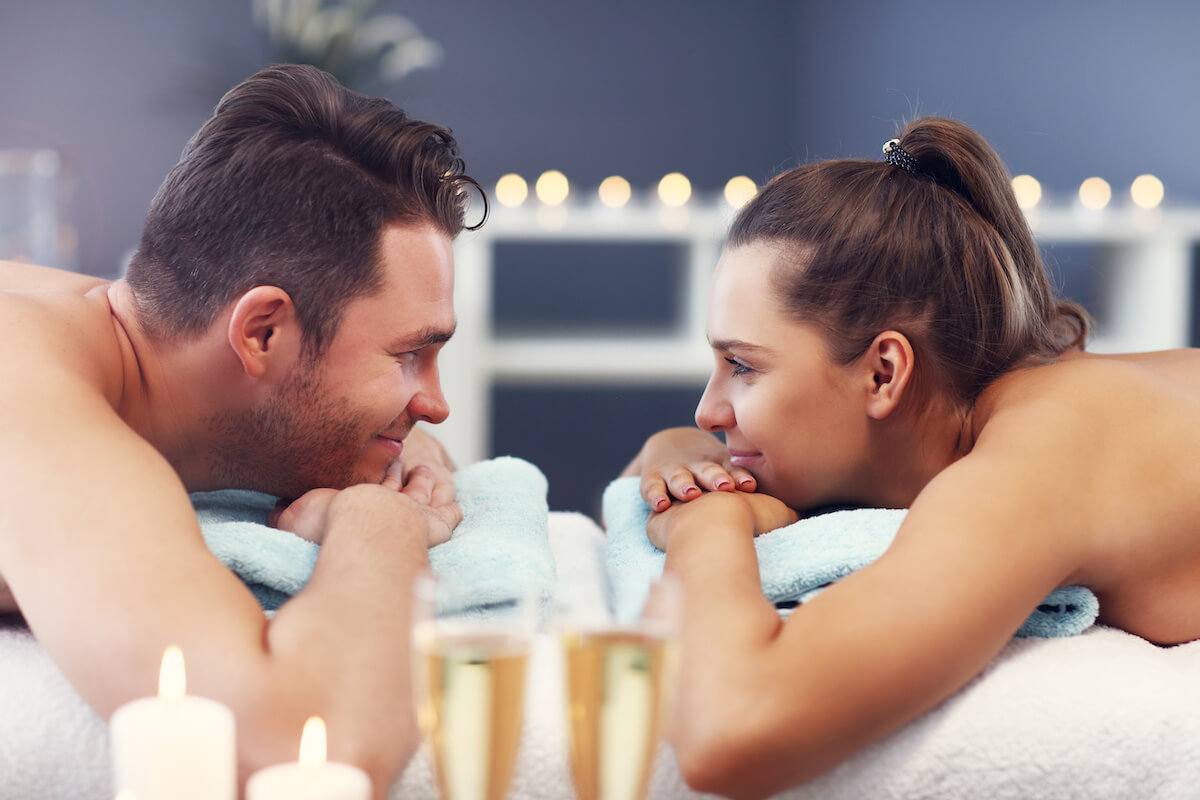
[103, 553]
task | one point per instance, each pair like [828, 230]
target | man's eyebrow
[738, 344]
[422, 338]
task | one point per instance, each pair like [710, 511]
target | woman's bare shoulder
[1071, 397]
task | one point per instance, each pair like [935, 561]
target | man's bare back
[61, 300]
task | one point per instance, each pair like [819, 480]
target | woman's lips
[744, 459]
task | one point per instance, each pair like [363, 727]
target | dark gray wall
[1064, 90]
[709, 87]
[636, 88]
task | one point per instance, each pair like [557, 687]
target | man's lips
[395, 445]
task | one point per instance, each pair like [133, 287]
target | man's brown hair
[291, 184]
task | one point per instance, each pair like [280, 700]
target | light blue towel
[501, 547]
[799, 560]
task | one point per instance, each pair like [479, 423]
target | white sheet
[1101, 715]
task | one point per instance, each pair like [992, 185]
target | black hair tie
[896, 155]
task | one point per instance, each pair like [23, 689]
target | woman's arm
[764, 705]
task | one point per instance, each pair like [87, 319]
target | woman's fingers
[682, 484]
[714, 477]
[744, 480]
[654, 492]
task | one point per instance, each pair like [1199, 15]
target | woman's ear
[264, 332]
[891, 362]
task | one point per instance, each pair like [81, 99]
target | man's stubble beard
[301, 438]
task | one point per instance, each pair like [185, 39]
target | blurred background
[582, 325]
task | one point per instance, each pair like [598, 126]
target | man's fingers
[443, 492]
[451, 512]
[281, 505]
[394, 477]
[420, 485]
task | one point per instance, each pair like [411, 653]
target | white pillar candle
[312, 777]
[174, 746]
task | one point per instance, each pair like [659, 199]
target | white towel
[1099, 715]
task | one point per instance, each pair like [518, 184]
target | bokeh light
[615, 191]
[739, 190]
[1095, 193]
[552, 187]
[1028, 191]
[674, 189]
[511, 190]
[1146, 191]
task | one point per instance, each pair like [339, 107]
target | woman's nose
[713, 412]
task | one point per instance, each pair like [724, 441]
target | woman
[885, 335]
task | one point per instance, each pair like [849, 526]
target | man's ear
[264, 332]
[890, 362]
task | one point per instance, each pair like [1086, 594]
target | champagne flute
[619, 679]
[469, 671]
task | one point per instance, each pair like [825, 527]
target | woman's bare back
[1131, 423]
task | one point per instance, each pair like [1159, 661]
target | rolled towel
[501, 547]
[797, 561]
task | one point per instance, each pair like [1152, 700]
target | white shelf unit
[1147, 270]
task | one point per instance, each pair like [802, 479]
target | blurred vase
[33, 185]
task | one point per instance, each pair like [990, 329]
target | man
[277, 330]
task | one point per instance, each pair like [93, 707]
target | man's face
[342, 420]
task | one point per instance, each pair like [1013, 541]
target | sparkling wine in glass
[469, 675]
[619, 680]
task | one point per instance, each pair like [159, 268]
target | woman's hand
[751, 511]
[682, 463]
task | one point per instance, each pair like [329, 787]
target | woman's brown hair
[941, 253]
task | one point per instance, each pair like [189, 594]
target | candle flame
[312, 742]
[172, 680]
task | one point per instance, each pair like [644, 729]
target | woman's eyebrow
[739, 345]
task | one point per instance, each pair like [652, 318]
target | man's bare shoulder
[19, 277]
[59, 332]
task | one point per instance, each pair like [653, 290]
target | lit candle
[312, 777]
[174, 746]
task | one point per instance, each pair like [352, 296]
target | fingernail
[722, 484]
[661, 503]
[691, 490]
[745, 482]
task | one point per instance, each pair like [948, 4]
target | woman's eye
[738, 367]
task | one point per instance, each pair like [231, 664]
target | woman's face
[790, 415]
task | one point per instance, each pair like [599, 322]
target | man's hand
[308, 517]
[681, 463]
[422, 449]
[756, 513]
